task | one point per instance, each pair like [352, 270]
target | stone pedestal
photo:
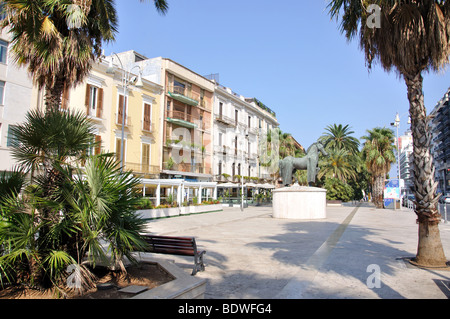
[299, 202]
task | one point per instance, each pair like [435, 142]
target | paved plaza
[356, 252]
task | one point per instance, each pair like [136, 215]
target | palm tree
[339, 137]
[59, 40]
[378, 154]
[339, 164]
[66, 212]
[410, 37]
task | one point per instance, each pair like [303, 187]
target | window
[3, 51]
[202, 97]
[145, 156]
[2, 92]
[11, 139]
[220, 139]
[236, 112]
[122, 109]
[220, 109]
[147, 117]
[119, 147]
[94, 100]
[249, 121]
[179, 87]
[219, 172]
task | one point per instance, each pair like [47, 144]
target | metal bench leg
[198, 263]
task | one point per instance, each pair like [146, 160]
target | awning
[182, 98]
[228, 185]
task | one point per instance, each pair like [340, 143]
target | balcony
[148, 127]
[183, 95]
[182, 118]
[225, 120]
[220, 149]
[139, 168]
[186, 168]
[118, 117]
[171, 143]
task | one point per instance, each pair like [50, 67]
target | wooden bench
[184, 246]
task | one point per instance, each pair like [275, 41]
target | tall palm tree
[339, 137]
[59, 40]
[410, 37]
[378, 154]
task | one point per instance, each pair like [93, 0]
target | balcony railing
[118, 117]
[142, 168]
[225, 119]
[178, 115]
[148, 127]
[183, 94]
[184, 167]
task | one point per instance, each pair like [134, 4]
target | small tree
[66, 212]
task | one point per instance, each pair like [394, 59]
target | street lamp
[126, 80]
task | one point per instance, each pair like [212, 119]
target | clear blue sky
[289, 54]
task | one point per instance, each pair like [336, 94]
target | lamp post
[125, 82]
[397, 125]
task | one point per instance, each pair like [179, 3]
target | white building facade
[16, 87]
[240, 125]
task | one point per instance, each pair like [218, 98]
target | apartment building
[16, 88]
[125, 111]
[240, 126]
[187, 118]
[440, 148]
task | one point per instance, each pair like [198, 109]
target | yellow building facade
[112, 98]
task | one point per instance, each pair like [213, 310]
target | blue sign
[391, 192]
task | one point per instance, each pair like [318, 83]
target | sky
[290, 55]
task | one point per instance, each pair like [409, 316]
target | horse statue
[289, 164]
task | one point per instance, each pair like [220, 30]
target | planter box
[176, 211]
[159, 212]
[183, 286]
[201, 209]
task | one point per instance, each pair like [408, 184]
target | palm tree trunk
[378, 188]
[430, 251]
[53, 94]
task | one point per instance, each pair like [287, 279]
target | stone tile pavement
[356, 252]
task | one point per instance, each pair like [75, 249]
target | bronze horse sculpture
[309, 162]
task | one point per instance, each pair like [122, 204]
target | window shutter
[147, 112]
[100, 103]
[98, 144]
[87, 96]
[120, 113]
